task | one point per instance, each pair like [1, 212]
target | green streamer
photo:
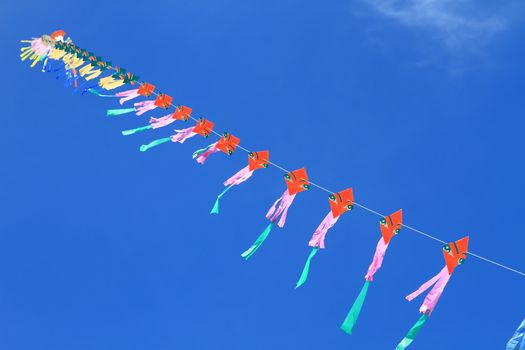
[119, 111]
[306, 269]
[144, 148]
[133, 131]
[199, 152]
[351, 319]
[246, 255]
[95, 92]
[412, 333]
[215, 209]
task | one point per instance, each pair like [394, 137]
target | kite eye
[349, 207]
[331, 197]
[383, 222]
[306, 187]
[287, 177]
[206, 135]
[396, 231]
[446, 248]
[230, 152]
[461, 261]
[265, 165]
[251, 155]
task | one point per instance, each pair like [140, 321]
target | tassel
[285, 201]
[202, 154]
[246, 255]
[183, 135]
[133, 131]
[144, 106]
[144, 148]
[120, 111]
[412, 333]
[306, 269]
[161, 122]
[215, 209]
[353, 314]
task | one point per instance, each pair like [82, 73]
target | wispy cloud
[455, 22]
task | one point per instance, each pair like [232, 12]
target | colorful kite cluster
[83, 70]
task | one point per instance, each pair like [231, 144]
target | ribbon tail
[144, 148]
[119, 111]
[215, 209]
[351, 319]
[412, 333]
[247, 254]
[134, 131]
[306, 269]
[97, 93]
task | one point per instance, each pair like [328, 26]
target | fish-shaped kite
[256, 160]
[203, 127]
[517, 342]
[296, 181]
[181, 113]
[227, 144]
[455, 254]
[390, 226]
[340, 203]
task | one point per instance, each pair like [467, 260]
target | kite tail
[119, 111]
[134, 131]
[306, 269]
[144, 148]
[97, 93]
[144, 106]
[351, 319]
[183, 135]
[248, 253]
[439, 281]
[202, 154]
[239, 177]
[319, 235]
[285, 201]
[215, 209]
[127, 95]
[377, 261]
[412, 333]
[160, 122]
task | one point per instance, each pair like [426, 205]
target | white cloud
[456, 22]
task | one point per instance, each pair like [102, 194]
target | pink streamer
[439, 281]
[144, 106]
[39, 48]
[127, 95]
[241, 176]
[286, 201]
[183, 135]
[160, 122]
[201, 158]
[377, 261]
[319, 235]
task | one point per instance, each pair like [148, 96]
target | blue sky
[416, 105]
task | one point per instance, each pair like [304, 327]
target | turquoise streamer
[215, 209]
[351, 319]
[246, 255]
[199, 152]
[412, 333]
[133, 131]
[306, 269]
[144, 148]
[120, 111]
[95, 92]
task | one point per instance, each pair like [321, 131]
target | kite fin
[351, 319]
[246, 255]
[306, 269]
[133, 131]
[144, 148]
[412, 333]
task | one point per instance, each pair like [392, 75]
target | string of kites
[81, 69]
